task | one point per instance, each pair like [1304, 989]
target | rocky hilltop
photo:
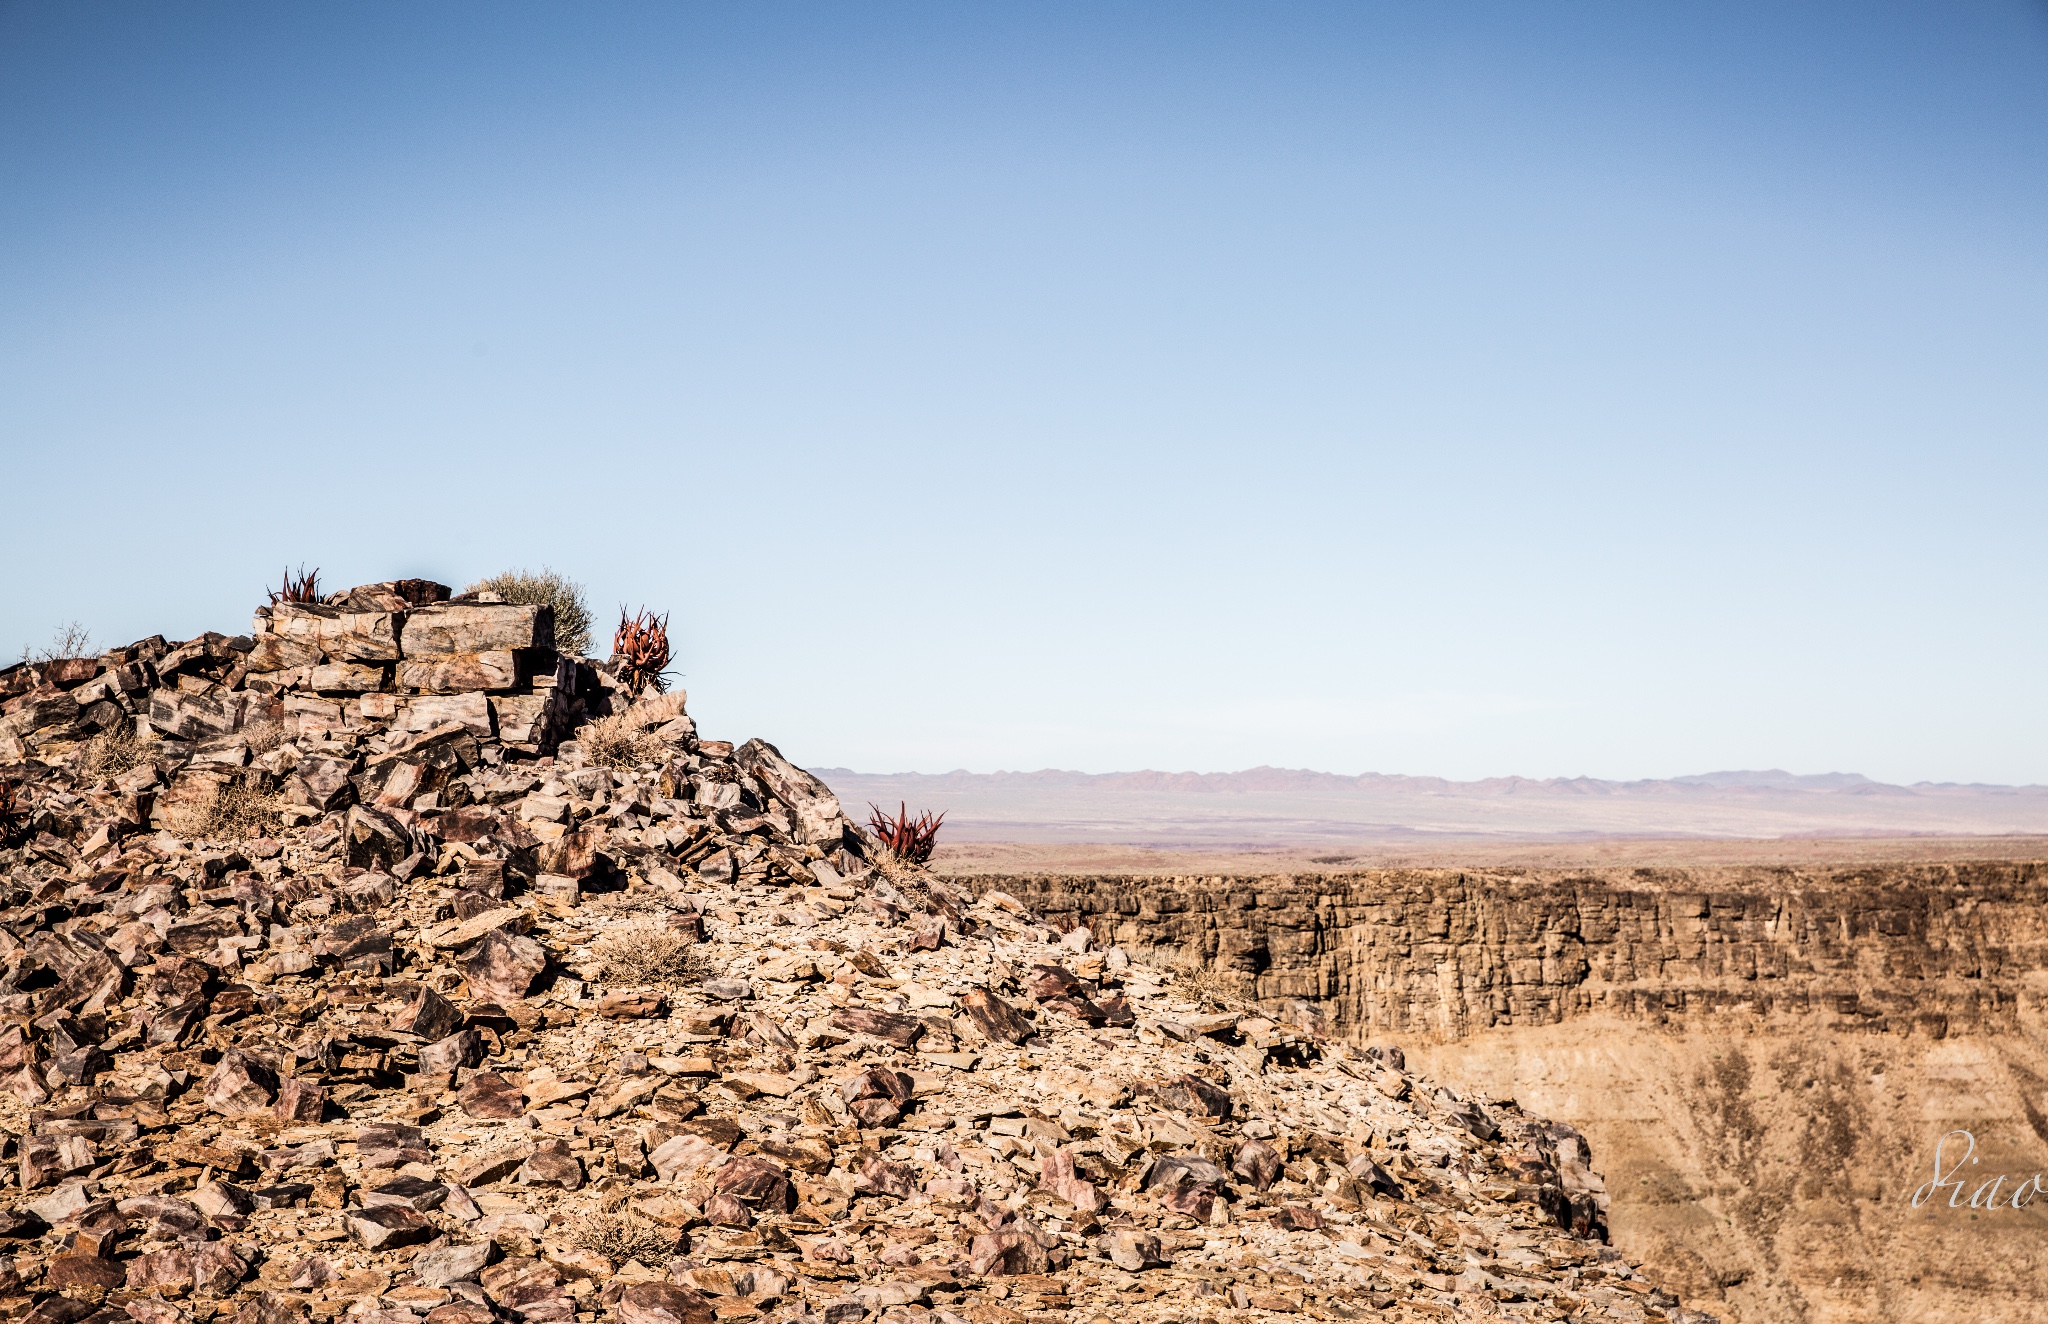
[383, 962]
[1764, 1058]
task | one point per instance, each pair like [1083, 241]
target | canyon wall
[1764, 1058]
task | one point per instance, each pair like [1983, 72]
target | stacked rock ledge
[481, 1031]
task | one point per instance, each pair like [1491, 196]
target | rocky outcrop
[456, 1004]
[1764, 1058]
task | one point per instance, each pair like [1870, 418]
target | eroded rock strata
[1763, 1058]
[383, 963]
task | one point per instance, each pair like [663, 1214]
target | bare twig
[69, 641]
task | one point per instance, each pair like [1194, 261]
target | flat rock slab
[489, 1095]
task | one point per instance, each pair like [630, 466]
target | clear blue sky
[1621, 390]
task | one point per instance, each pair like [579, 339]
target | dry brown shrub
[625, 1238]
[263, 736]
[1192, 979]
[888, 863]
[613, 742]
[236, 811]
[911, 881]
[646, 953]
[111, 753]
[187, 820]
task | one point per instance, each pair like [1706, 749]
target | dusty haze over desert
[1293, 808]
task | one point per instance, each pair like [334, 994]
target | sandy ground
[995, 857]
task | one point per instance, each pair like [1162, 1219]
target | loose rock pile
[480, 1028]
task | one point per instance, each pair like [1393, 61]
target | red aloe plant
[640, 650]
[305, 588]
[910, 839]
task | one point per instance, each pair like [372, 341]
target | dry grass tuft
[263, 736]
[1194, 981]
[547, 588]
[238, 811]
[888, 863]
[621, 1239]
[911, 881]
[186, 821]
[645, 953]
[241, 812]
[111, 753]
[613, 742]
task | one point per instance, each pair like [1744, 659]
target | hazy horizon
[1719, 776]
[1281, 807]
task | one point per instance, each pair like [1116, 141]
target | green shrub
[572, 614]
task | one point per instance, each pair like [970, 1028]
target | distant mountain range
[1293, 806]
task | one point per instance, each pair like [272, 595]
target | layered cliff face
[1764, 1059]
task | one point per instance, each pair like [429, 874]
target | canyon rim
[1763, 1058]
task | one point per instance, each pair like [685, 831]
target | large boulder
[820, 820]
